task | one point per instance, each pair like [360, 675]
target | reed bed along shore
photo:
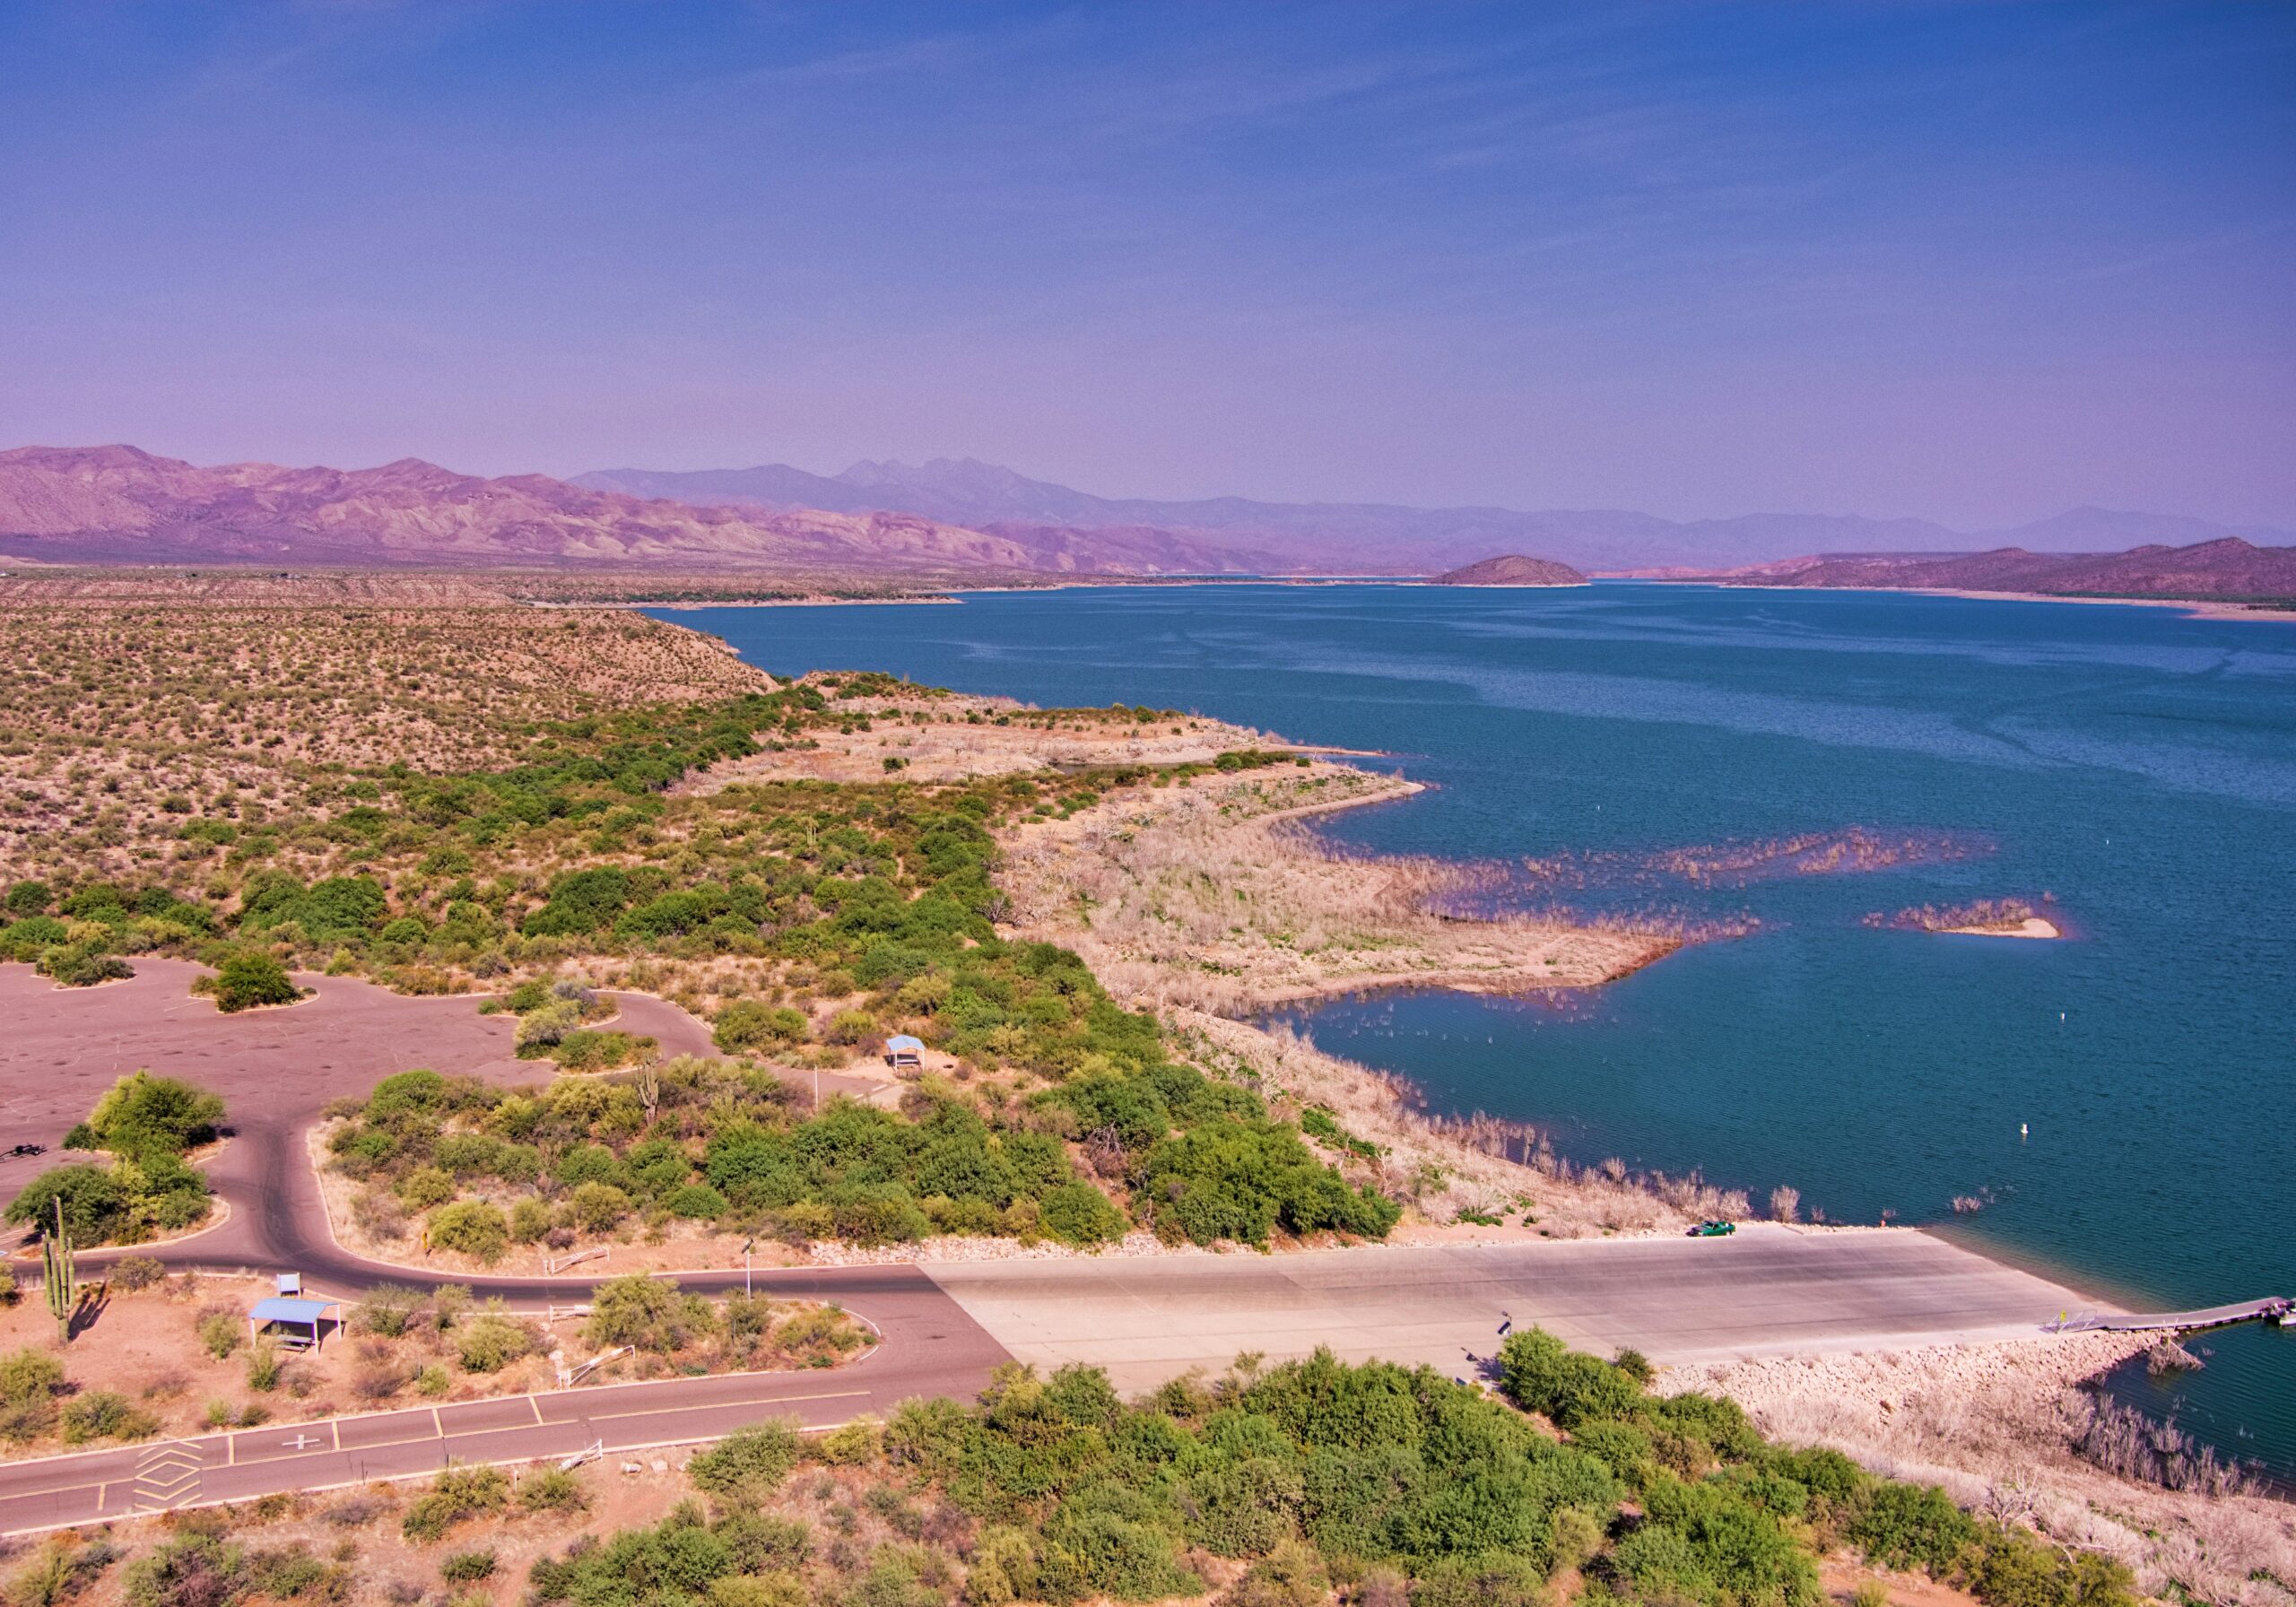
[1476, 1169]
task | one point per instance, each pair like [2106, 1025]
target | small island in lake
[1512, 569]
[1986, 918]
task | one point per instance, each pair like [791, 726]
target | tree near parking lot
[145, 1123]
[142, 1113]
[247, 978]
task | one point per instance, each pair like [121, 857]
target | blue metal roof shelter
[292, 1313]
[902, 1049]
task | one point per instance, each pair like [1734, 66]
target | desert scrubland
[1078, 912]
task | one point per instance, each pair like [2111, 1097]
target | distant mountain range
[946, 521]
[118, 504]
[1237, 533]
[2227, 566]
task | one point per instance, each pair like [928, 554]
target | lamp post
[746, 1264]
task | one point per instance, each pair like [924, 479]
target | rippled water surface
[2138, 766]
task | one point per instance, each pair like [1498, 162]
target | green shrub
[489, 1342]
[1239, 1178]
[749, 1464]
[29, 1378]
[142, 1114]
[105, 1414]
[248, 978]
[126, 1202]
[598, 1207]
[28, 897]
[697, 1202]
[529, 1220]
[1911, 1525]
[387, 1309]
[753, 1024]
[130, 1274]
[188, 1570]
[586, 1050]
[265, 1366]
[423, 1187]
[472, 1227]
[1077, 1214]
[648, 1313]
[221, 1334]
[1542, 1374]
[553, 1490]
[2008, 1567]
[27, 940]
[467, 1568]
[84, 965]
[458, 1493]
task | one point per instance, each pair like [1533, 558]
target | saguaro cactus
[62, 1276]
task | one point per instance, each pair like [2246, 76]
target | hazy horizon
[1972, 265]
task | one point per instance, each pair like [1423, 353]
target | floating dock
[2277, 1308]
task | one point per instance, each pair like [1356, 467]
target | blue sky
[1976, 263]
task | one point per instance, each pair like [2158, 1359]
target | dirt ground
[147, 1345]
[1840, 1577]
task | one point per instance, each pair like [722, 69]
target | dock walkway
[2277, 1308]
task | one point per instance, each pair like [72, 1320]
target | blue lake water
[2138, 766]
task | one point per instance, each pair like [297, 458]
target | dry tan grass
[1208, 894]
[1993, 1424]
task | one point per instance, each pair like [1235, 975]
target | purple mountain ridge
[1242, 534]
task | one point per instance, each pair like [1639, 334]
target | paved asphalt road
[139, 1479]
[944, 1327]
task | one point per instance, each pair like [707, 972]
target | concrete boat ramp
[1767, 1290]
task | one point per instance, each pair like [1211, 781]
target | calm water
[2139, 766]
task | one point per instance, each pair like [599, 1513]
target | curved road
[945, 1327]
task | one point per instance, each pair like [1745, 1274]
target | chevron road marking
[167, 1476]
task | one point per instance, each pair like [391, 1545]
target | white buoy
[2023, 1130]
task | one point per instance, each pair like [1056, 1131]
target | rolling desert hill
[1511, 569]
[2225, 567]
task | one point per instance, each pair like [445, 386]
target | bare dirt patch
[1210, 894]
